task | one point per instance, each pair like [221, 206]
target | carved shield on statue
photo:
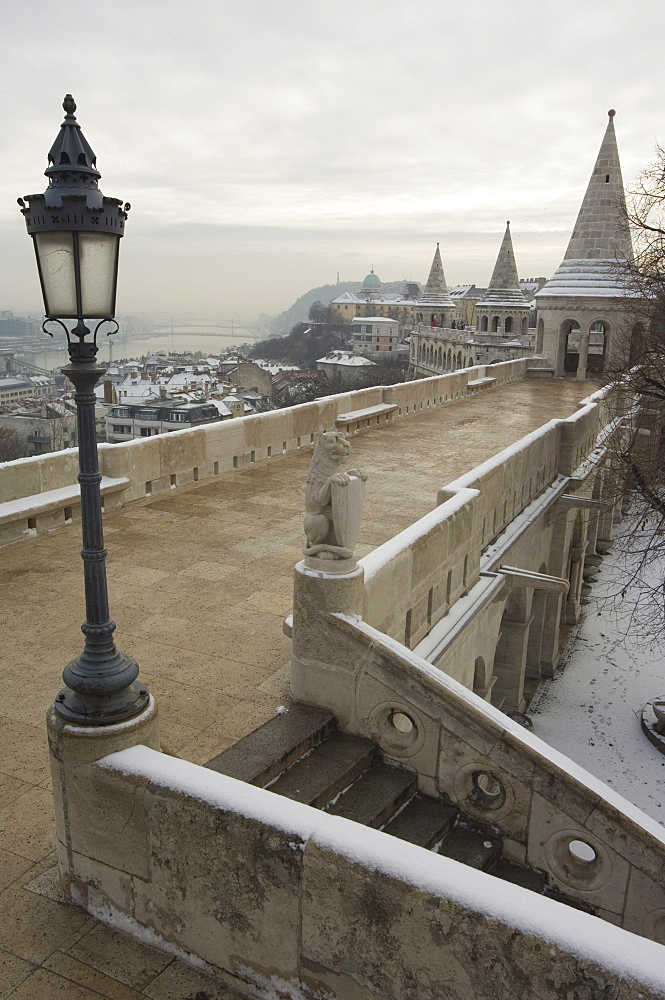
[347, 510]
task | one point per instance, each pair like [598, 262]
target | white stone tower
[586, 311]
[435, 307]
[503, 308]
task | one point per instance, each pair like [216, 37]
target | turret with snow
[586, 310]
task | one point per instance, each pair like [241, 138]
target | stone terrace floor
[200, 580]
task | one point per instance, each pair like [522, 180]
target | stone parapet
[274, 896]
[148, 466]
[543, 804]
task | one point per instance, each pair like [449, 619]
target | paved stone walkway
[200, 581]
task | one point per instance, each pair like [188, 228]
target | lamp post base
[90, 708]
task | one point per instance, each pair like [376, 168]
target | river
[54, 354]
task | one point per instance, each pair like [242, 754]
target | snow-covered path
[591, 710]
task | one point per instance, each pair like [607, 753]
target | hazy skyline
[265, 147]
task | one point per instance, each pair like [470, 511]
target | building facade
[158, 416]
[375, 334]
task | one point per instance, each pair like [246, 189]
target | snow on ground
[591, 709]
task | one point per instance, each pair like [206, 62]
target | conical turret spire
[436, 289]
[504, 287]
[601, 231]
[601, 237]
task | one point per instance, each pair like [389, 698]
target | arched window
[539, 336]
[483, 325]
[508, 325]
[524, 325]
[495, 324]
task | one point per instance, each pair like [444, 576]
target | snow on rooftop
[589, 278]
[345, 358]
[373, 319]
[222, 407]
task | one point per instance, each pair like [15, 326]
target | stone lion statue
[325, 533]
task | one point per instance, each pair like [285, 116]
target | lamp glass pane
[98, 254]
[55, 253]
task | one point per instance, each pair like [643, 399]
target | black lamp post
[76, 232]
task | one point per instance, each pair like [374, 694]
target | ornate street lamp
[76, 231]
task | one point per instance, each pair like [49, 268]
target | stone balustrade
[595, 846]
[413, 580]
[167, 461]
[276, 897]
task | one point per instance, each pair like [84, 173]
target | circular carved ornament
[578, 860]
[397, 728]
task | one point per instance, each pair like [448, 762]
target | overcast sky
[266, 145]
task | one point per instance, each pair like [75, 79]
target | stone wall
[479, 589]
[280, 899]
[541, 802]
[166, 461]
[413, 580]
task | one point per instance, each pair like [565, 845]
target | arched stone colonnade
[504, 323]
[538, 607]
[589, 342]
[440, 355]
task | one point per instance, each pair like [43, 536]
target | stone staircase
[302, 755]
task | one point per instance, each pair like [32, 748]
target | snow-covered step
[472, 847]
[376, 795]
[321, 775]
[424, 821]
[263, 754]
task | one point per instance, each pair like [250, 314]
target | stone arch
[495, 324]
[483, 324]
[525, 326]
[439, 362]
[459, 359]
[511, 651]
[598, 336]
[540, 336]
[449, 360]
[508, 325]
[569, 345]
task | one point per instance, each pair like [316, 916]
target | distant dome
[372, 280]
